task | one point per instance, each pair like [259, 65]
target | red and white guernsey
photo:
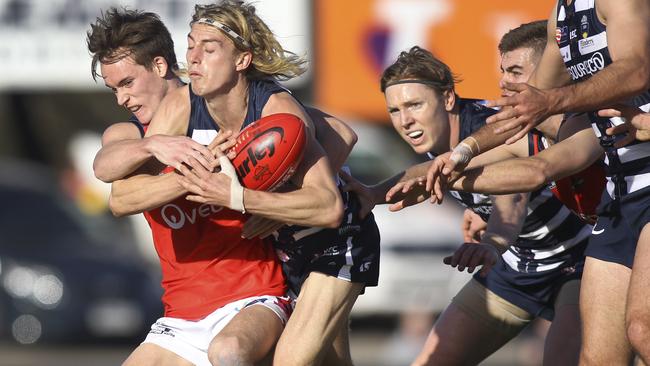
[205, 262]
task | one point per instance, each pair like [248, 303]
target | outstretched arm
[527, 174]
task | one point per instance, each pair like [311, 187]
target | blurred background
[79, 287]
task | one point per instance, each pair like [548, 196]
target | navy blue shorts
[616, 233]
[349, 252]
[535, 292]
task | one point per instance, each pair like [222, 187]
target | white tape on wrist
[236, 189]
[461, 154]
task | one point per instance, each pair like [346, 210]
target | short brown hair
[118, 33]
[420, 64]
[530, 35]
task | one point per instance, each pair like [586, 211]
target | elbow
[115, 207]
[333, 214]
[100, 173]
[540, 174]
[350, 139]
[640, 81]
[119, 208]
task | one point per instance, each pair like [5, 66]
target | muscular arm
[628, 39]
[147, 189]
[527, 174]
[142, 192]
[122, 152]
[316, 203]
[336, 137]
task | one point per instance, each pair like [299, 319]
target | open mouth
[134, 109]
[415, 134]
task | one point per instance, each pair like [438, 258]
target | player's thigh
[322, 308]
[638, 306]
[603, 294]
[252, 332]
[475, 325]
[324, 303]
[148, 354]
[562, 346]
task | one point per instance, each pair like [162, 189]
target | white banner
[43, 42]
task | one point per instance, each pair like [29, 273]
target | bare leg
[339, 353]
[247, 338]
[322, 308]
[460, 337]
[603, 295]
[562, 346]
[150, 354]
[638, 306]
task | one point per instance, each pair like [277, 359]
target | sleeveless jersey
[579, 192]
[205, 262]
[549, 230]
[582, 40]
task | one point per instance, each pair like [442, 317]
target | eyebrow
[207, 40]
[513, 67]
[120, 83]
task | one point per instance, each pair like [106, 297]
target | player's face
[516, 67]
[212, 60]
[137, 89]
[420, 115]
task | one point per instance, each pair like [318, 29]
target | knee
[638, 331]
[227, 351]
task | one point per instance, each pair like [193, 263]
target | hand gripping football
[269, 150]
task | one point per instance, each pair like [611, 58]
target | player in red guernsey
[211, 276]
[188, 269]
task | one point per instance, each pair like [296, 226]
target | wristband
[461, 154]
[236, 189]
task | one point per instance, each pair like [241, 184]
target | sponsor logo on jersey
[592, 44]
[160, 328]
[175, 217]
[588, 67]
[561, 34]
[584, 26]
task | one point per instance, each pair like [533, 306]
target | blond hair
[270, 60]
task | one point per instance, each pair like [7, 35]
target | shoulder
[121, 131]
[172, 116]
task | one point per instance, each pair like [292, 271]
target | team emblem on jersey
[561, 34]
[584, 26]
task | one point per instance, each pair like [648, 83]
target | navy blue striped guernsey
[550, 230]
[582, 39]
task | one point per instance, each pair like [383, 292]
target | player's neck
[454, 126]
[229, 109]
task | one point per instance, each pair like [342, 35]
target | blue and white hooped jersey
[582, 40]
[550, 229]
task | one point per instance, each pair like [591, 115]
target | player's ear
[449, 97]
[244, 60]
[160, 66]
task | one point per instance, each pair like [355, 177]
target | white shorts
[190, 339]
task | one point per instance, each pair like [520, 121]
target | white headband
[226, 29]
